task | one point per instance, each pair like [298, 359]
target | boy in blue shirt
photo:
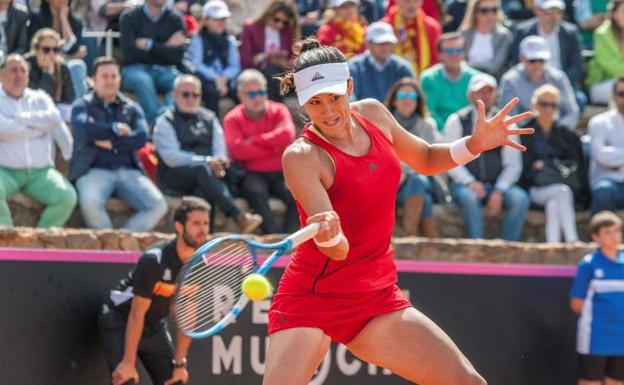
[597, 296]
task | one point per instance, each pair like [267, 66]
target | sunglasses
[486, 10]
[619, 94]
[453, 51]
[554, 106]
[47, 50]
[253, 94]
[533, 61]
[406, 95]
[279, 20]
[188, 95]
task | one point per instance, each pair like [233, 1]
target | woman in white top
[488, 42]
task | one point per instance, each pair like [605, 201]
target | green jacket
[608, 60]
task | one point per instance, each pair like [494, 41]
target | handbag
[556, 170]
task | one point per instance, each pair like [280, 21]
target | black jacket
[40, 80]
[561, 144]
[135, 24]
[43, 19]
[16, 29]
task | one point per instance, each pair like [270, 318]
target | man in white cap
[375, 71]
[490, 180]
[563, 38]
[214, 53]
[531, 73]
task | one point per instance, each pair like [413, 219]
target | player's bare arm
[431, 159]
[307, 177]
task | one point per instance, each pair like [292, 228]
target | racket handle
[304, 234]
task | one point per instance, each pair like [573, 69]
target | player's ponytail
[309, 53]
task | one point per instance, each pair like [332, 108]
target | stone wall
[26, 212]
[413, 248]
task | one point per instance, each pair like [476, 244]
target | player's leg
[156, 354]
[293, 356]
[615, 371]
[592, 369]
[413, 347]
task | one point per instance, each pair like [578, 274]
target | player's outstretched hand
[124, 373]
[179, 374]
[495, 132]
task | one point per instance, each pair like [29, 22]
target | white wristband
[331, 242]
[460, 152]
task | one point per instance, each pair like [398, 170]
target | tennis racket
[209, 295]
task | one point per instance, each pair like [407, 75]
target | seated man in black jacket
[192, 156]
[153, 45]
[14, 22]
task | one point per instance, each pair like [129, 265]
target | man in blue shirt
[597, 296]
[375, 71]
[108, 130]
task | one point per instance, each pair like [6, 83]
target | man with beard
[132, 319]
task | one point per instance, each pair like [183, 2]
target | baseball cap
[216, 9]
[328, 78]
[380, 32]
[338, 3]
[548, 4]
[479, 81]
[535, 47]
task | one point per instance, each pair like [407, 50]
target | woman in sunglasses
[406, 102]
[266, 42]
[48, 70]
[488, 41]
[554, 171]
[57, 15]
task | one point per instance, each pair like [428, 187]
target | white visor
[320, 79]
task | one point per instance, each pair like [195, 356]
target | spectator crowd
[141, 118]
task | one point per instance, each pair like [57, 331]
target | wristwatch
[178, 365]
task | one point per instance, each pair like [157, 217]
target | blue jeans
[606, 194]
[146, 82]
[78, 73]
[129, 185]
[515, 202]
[417, 184]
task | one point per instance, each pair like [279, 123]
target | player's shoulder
[155, 254]
[301, 151]
[368, 107]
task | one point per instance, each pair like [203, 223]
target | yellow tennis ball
[256, 287]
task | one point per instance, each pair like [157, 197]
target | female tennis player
[344, 173]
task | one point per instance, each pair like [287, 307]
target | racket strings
[200, 276]
[213, 285]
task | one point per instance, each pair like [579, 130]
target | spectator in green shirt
[446, 84]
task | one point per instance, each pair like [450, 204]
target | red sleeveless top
[364, 195]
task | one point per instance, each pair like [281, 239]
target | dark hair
[618, 80]
[421, 108]
[603, 219]
[187, 205]
[309, 53]
[288, 7]
[446, 37]
[104, 60]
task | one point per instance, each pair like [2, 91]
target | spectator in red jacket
[345, 30]
[266, 42]
[411, 25]
[257, 132]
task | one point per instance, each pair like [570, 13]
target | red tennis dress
[341, 297]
